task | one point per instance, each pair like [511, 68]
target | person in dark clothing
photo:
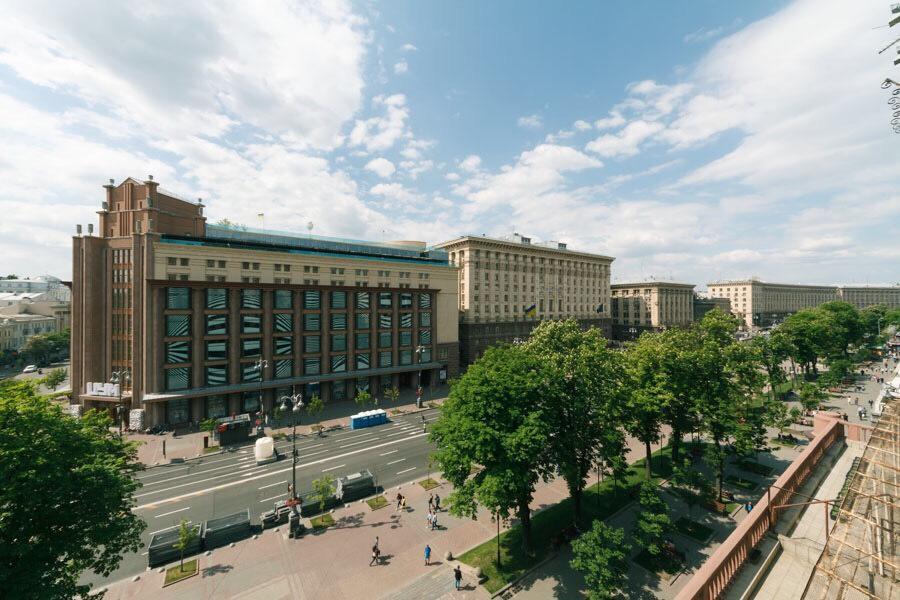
[457, 576]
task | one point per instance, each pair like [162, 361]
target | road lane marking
[394, 462]
[173, 512]
[356, 443]
[189, 475]
[386, 453]
[166, 472]
[333, 468]
[272, 485]
[152, 533]
[285, 470]
[405, 471]
[273, 498]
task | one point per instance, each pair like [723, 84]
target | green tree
[55, 377]
[778, 416]
[846, 328]
[493, 420]
[650, 392]
[811, 396]
[315, 406]
[806, 331]
[692, 482]
[187, 534]
[653, 521]
[392, 395]
[38, 349]
[584, 389]
[771, 352]
[363, 398]
[67, 496]
[677, 361]
[601, 554]
[323, 488]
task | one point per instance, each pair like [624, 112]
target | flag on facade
[531, 311]
[599, 308]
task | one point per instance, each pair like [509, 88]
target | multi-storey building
[863, 296]
[16, 328]
[761, 304]
[507, 286]
[47, 284]
[637, 307]
[209, 320]
[703, 305]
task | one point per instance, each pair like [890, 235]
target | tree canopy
[66, 498]
[601, 554]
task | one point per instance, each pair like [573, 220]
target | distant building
[508, 286]
[703, 305]
[864, 295]
[47, 284]
[15, 329]
[650, 305]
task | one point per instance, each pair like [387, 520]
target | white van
[30, 369]
[264, 451]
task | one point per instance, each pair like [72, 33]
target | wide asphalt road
[223, 484]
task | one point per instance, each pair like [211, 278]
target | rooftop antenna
[309, 228]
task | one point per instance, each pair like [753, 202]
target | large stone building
[209, 320]
[507, 286]
[52, 287]
[703, 305]
[650, 305]
[761, 304]
[16, 328]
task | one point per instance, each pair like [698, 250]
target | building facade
[210, 321]
[46, 284]
[507, 286]
[703, 305]
[16, 328]
[863, 296]
[650, 305]
[761, 304]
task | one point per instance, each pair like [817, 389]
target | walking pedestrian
[748, 507]
[430, 501]
[403, 503]
[399, 500]
[428, 518]
[457, 576]
[427, 554]
[376, 541]
[434, 524]
[375, 553]
[437, 502]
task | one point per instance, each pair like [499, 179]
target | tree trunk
[649, 459]
[525, 522]
[576, 494]
[675, 440]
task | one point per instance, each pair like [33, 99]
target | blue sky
[692, 141]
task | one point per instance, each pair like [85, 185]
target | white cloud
[581, 125]
[381, 167]
[530, 121]
[627, 142]
[378, 134]
[408, 48]
[401, 67]
[615, 119]
[703, 34]
[452, 176]
[471, 163]
[414, 168]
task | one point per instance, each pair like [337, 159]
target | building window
[425, 355]
[216, 407]
[338, 299]
[216, 375]
[405, 300]
[284, 322]
[425, 319]
[284, 299]
[251, 323]
[312, 322]
[406, 338]
[216, 299]
[216, 324]
[312, 366]
[251, 299]
[362, 320]
[362, 361]
[284, 369]
[339, 321]
[362, 341]
[171, 261]
[312, 344]
[178, 325]
[249, 372]
[311, 300]
[406, 357]
[177, 352]
[282, 345]
[217, 350]
[424, 300]
[385, 338]
[406, 320]
[384, 321]
[385, 359]
[178, 298]
[177, 378]
[338, 363]
[251, 348]
[362, 300]
[425, 337]
[443, 353]
[338, 342]
[384, 299]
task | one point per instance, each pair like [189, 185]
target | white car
[30, 369]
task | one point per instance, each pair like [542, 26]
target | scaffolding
[861, 558]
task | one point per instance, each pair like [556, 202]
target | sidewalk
[335, 563]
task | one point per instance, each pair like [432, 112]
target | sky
[692, 141]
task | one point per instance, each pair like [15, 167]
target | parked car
[30, 369]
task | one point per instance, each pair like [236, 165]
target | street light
[295, 402]
[419, 350]
[121, 378]
[259, 366]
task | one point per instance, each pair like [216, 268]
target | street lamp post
[121, 378]
[419, 350]
[260, 365]
[295, 402]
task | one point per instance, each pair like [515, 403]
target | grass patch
[598, 502]
[783, 443]
[744, 484]
[755, 467]
[377, 502]
[663, 566]
[209, 449]
[730, 507]
[279, 436]
[322, 521]
[693, 529]
[177, 573]
[429, 484]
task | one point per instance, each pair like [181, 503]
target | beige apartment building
[507, 286]
[200, 321]
[16, 328]
[703, 305]
[638, 307]
[863, 296]
[761, 304]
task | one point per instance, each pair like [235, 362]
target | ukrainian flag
[531, 311]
